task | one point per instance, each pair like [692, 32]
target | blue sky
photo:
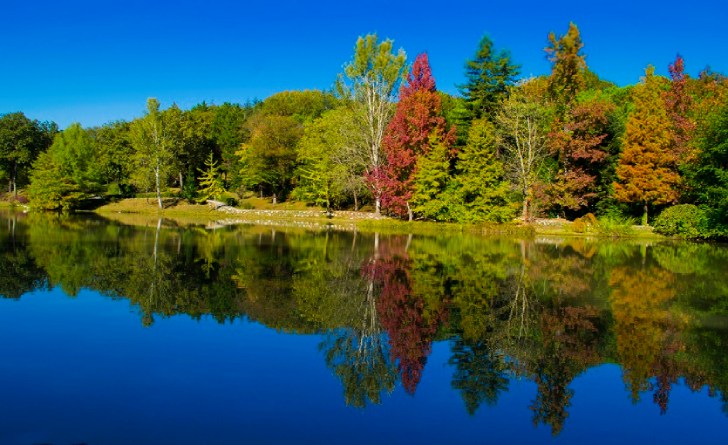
[94, 62]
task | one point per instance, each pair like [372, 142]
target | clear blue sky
[97, 61]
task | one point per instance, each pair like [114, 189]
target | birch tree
[523, 127]
[370, 82]
[152, 151]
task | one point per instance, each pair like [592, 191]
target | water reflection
[542, 311]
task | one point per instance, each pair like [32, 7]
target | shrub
[615, 225]
[684, 220]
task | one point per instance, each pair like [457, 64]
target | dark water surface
[113, 334]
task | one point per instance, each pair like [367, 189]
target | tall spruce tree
[482, 189]
[488, 75]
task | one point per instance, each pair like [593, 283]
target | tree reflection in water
[546, 311]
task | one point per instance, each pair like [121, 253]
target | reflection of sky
[85, 370]
[97, 61]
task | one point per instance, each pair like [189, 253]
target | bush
[613, 224]
[684, 220]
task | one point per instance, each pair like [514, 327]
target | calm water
[112, 334]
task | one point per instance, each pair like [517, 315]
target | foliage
[331, 166]
[579, 144]
[684, 220]
[708, 176]
[151, 140]
[433, 181]
[211, 186]
[21, 141]
[67, 173]
[369, 84]
[489, 75]
[568, 65]
[483, 193]
[407, 137]
[522, 123]
[268, 159]
[647, 167]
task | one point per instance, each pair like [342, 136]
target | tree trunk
[378, 204]
[181, 183]
[356, 202]
[644, 216]
[275, 199]
[15, 180]
[410, 216]
[159, 189]
[524, 214]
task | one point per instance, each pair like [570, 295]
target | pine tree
[482, 188]
[210, 182]
[647, 169]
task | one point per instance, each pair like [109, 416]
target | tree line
[385, 139]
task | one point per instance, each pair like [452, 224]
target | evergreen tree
[433, 196]
[489, 74]
[482, 190]
[211, 186]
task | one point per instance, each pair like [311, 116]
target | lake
[119, 334]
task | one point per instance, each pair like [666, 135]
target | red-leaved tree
[418, 114]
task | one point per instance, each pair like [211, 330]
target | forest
[568, 144]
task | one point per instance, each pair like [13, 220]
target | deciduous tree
[647, 169]
[418, 115]
[523, 124]
[153, 156]
[369, 83]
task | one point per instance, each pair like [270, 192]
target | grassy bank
[145, 211]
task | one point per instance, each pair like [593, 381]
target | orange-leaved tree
[647, 169]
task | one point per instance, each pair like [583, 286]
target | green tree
[268, 159]
[331, 166]
[211, 186]
[114, 156]
[433, 194]
[489, 74]
[709, 174]
[482, 188]
[228, 131]
[153, 154]
[568, 69]
[21, 141]
[523, 125]
[67, 173]
[369, 83]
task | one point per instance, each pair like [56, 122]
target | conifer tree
[647, 166]
[211, 186]
[489, 74]
[482, 189]
[568, 70]
[432, 195]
